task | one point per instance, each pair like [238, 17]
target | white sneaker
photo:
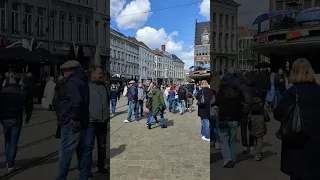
[126, 121]
[112, 115]
[203, 138]
[10, 169]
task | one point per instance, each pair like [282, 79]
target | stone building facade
[57, 24]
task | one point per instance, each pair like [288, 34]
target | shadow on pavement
[116, 151]
[166, 122]
[214, 157]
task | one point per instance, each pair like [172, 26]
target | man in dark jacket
[29, 86]
[182, 96]
[133, 102]
[114, 91]
[73, 115]
[99, 115]
[12, 101]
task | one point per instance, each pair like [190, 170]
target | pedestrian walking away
[158, 107]
[229, 102]
[133, 102]
[29, 88]
[12, 101]
[114, 91]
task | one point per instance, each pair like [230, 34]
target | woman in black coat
[301, 160]
[204, 109]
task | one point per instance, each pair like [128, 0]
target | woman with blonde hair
[300, 151]
[203, 103]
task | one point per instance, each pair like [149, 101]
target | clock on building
[205, 37]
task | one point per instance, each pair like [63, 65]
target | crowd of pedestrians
[246, 100]
[81, 102]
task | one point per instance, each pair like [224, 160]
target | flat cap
[71, 64]
[132, 82]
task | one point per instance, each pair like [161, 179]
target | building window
[220, 40]
[70, 29]
[213, 40]
[87, 2]
[79, 28]
[226, 41]
[104, 6]
[15, 18]
[96, 4]
[87, 30]
[232, 21]
[3, 7]
[232, 42]
[79, 1]
[62, 26]
[40, 22]
[105, 34]
[52, 24]
[227, 20]
[220, 19]
[97, 32]
[28, 20]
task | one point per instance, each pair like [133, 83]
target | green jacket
[156, 101]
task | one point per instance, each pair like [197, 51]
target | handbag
[201, 99]
[292, 124]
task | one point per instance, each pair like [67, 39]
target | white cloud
[132, 16]
[205, 8]
[116, 6]
[155, 38]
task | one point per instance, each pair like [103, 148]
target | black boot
[149, 126]
[163, 126]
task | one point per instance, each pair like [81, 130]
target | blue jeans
[172, 102]
[278, 97]
[205, 128]
[11, 129]
[98, 130]
[151, 118]
[113, 106]
[167, 102]
[181, 106]
[216, 131]
[141, 103]
[72, 141]
[228, 141]
[133, 107]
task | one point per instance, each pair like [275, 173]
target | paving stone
[177, 152]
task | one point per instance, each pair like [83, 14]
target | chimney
[163, 47]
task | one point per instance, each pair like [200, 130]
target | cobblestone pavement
[177, 152]
[246, 167]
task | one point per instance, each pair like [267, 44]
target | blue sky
[173, 26]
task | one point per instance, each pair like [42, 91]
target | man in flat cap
[73, 116]
[133, 102]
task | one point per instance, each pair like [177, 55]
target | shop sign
[293, 35]
[262, 38]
